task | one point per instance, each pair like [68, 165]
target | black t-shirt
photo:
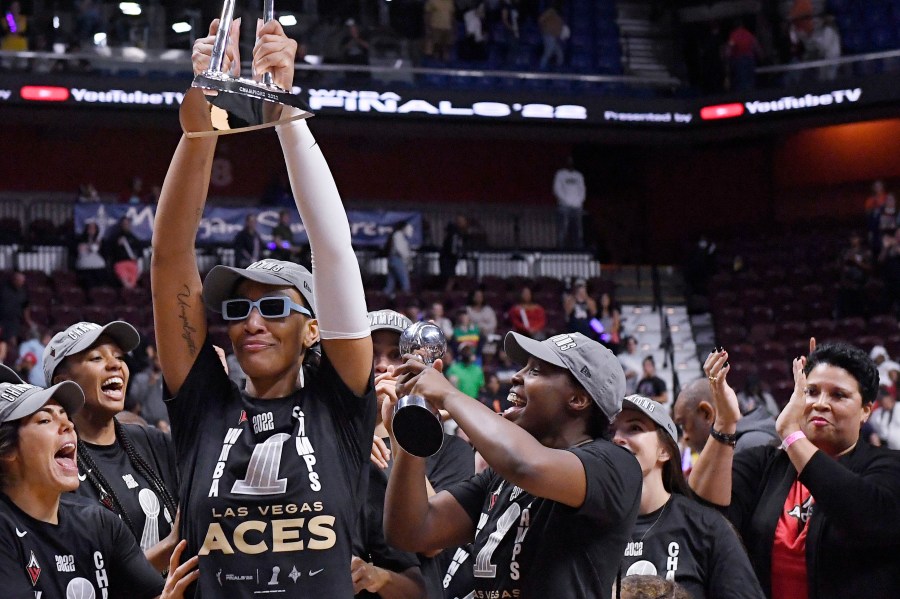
[89, 553]
[150, 520]
[530, 547]
[272, 488]
[651, 386]
[369, 542]
[459, 579]
[694, 546]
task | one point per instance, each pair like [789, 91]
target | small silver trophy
[247, 104]
[417, 425]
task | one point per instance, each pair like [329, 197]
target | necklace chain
[655, 522]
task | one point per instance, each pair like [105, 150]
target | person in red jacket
[527, 317]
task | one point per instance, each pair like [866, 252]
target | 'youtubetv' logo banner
[369, 228]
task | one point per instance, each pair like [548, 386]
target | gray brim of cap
[219, 284]
[125, 336]
[8, 375]
[519, 348]
[67, 393]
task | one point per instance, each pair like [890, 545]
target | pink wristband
[792, 438]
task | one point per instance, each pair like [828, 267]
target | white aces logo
[34, 569]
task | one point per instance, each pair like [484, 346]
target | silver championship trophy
[417, 425]
[247, 104]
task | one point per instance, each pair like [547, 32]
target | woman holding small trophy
[273, 473]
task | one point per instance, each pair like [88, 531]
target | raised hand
[202, 51]
[716, 368]
[791, 417]
[274, 53]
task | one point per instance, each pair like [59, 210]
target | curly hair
[853, 360]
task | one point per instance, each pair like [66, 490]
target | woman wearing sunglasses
[53, 544]
[275, 470]
[127, 468]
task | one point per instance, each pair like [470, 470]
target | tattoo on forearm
[186, 329]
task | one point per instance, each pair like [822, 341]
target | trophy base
[246, 105]
[417, 427]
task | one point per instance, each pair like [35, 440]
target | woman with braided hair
[129, 469]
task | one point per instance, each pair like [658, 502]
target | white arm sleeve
[337, 284]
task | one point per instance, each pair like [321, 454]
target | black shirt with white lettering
[89, 553]
[530, 547]
[694, 546]
[150, 520]
[271, 488]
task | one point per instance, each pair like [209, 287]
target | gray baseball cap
[220, 282]
[596, 368]
[82, 335]
[8, 375]
[654, 411]
[388, 320]
[20, 400]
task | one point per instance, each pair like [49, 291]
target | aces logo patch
[34, 569]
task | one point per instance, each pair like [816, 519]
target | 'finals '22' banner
[368, 228]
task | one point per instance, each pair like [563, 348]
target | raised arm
[178, 312]
[337, 283]
[711, 476]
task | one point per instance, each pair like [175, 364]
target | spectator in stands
[505, 369]
[755, 393]
[31, 353]
[569, 190]
[886, 420]
[440, 22]
[528, 318]
[695, 412]
[146, 388]
[889, 261]
[631, 364]
[465, 373]
[88, 193]
[399, 256]
[651, 385]
[122, 249]
[509, 16]
[883, 362]
[496, 396]
[874, 203]
[554, 32]
[438, 317]
[14, 307]
[819, 515]
[610, 318]
[887, 221]
[856, 265]
[466, 332]
[14, 27]
[453, 248]
[743, 51]
[135, 193]
[481, 313]
[472, 46]
[355, 50]
[825, 44]
[580, 310]
[282, 246]
[90, 265]
[88, 20]
[248, 245]
[711, 562]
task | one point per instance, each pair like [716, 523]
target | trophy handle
[267, 15]
[218, 51]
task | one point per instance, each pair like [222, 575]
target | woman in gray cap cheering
[551, 515]
[127, 468]
[51, 543]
